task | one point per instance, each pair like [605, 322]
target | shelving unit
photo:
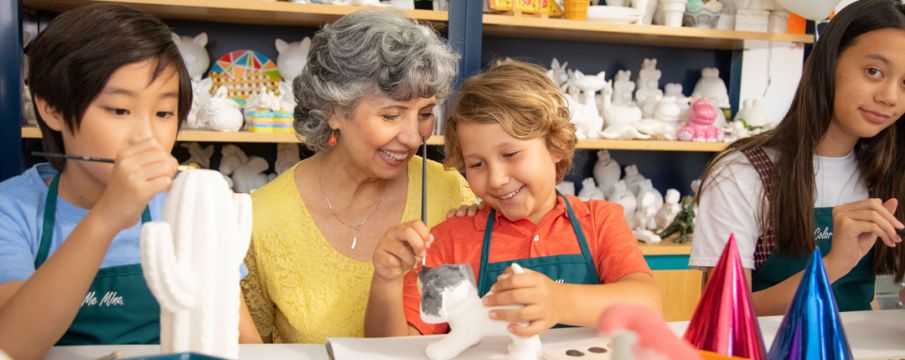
[653, 35]
[249, 137]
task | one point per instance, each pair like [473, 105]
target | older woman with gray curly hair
[365, 103]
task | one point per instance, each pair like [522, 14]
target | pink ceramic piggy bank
[700, 124]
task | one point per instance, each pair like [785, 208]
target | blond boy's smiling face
[516, 177]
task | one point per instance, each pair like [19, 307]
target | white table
[871, 334]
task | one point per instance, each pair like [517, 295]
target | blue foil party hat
[811, 328]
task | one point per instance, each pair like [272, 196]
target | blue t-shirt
[21, 221]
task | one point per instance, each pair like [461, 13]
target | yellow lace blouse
[299, 289]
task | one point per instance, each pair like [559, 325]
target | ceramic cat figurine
[190, 261]
[194, 54]
[449, 295]
[588, 121]
[292, 57]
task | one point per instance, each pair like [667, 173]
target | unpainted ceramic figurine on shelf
[292, 57]
[700, 124]
[201, 95]
[633, 179]
[665, 120]
[566, 188]
[606, 171]
[670, 13]
[669, 210]
[246, 173]
[643, 220]
[449, 295]
[587, 120]
[648, 84]
[711, 86]
[727, 16]
[28, 108]
[675, 90]
[558, 73]
[623, 197]
[623, 88]
[590, 191]
[751, 119]
[621, 120]
[646, 186]
[287, 156]
[194, 54]
[199, 155]
[221, 113]
[190, 261]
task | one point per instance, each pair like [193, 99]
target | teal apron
[118, 308]
[568, 269]
[854, 291]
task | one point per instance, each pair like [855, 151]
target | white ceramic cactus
[250, 176]
[191, 263]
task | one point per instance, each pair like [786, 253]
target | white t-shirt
[731, 203]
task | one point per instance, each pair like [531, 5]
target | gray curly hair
[362, 53]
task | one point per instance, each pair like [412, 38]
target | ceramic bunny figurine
[623, 197]
[221, 113]
[589, 190]
[589, 124]
[199, 155]
[606, 171]
[194, 55]
[712, 87]
[558, 73]
[232, 157]
[287, 156]
[633, 179]
[700, 124]
[669, 210]
[190, 261]
[449, 295]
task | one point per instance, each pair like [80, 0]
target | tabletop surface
[871, 335]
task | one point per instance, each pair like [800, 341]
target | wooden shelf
[596, 31]
[665, 247]
[262, 12]
[249, 137]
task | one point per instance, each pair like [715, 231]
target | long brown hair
[881, 159]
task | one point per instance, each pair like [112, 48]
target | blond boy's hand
[465, 210]
[538, 293]
[142, 170]
[400, 249]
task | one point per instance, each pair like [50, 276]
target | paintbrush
[424, 189]
[73, 157]
[180, 169]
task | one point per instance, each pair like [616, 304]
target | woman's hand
[400, 249]
[856, 227]
[539, 295]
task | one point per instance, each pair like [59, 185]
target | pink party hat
[724, 321]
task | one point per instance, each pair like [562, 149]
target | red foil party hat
[724, 321]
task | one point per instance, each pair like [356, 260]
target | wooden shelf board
[249, 137]
[263, 12]
[665, 247]
[595, 31]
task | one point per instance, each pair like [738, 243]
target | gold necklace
[355, 227]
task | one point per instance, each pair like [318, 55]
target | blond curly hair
[523, 101]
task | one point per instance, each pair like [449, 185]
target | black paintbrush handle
[73, 157]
